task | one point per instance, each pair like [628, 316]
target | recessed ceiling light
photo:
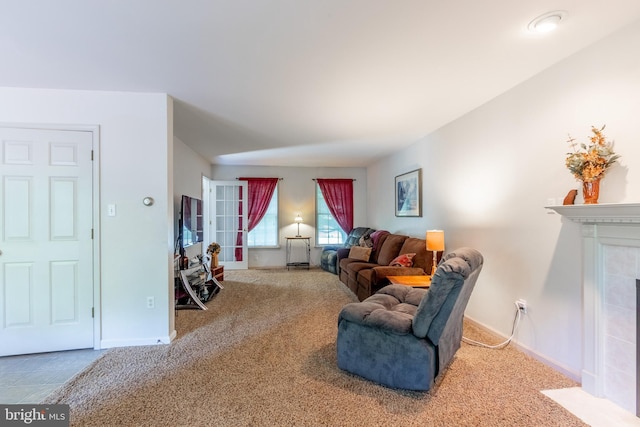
[547, 22]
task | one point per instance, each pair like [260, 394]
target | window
[265, 234]
[328, 232]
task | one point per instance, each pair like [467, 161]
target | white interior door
[46, 231]
[228, 224]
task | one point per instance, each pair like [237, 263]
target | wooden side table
[307, 242]
[413, 281]
[218, 273]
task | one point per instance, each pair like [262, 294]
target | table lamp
[298, 219]
[435, 243]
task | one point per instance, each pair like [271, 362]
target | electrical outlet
[151, 302]
[522, 306]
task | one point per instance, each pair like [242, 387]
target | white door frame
[95, 132]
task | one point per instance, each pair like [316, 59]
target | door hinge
[92, 312]
[91, 155]
[92, 234]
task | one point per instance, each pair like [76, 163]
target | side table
[413, 281]
[217, 273]
[307, 242]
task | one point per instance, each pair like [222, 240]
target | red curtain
[338, 193]
[260, 191]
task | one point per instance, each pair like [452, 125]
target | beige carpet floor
[264, 355]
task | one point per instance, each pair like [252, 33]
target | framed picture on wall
[408, 193]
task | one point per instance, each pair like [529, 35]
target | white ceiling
[297, 82]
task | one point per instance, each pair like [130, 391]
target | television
[191, 222]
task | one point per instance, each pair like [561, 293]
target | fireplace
[611, 269]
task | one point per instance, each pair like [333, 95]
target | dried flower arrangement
[213, 248]
[590, 162]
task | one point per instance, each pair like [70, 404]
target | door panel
[64, 290]
[228, 222]
[20, 312]
[46, 258]
[17, 208]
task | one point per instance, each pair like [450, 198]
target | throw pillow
[360, 253]
[404, 260]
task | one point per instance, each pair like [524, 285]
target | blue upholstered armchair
[329, 256]
[403, 337]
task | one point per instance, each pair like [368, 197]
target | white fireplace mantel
[602, 225]
[621, 213]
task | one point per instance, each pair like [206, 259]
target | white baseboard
[136, 342]
[569, 373]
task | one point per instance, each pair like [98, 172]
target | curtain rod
[279, 179]
[352, 179]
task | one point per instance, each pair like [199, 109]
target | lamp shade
[435, 240]
[298, 218]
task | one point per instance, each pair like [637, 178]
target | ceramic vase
[591, 191]
[214, 260]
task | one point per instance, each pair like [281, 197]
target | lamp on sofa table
[435, 243]
[298, 219]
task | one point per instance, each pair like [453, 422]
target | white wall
[488, 175]
[136, 246]
[297, 195]
[188, 169]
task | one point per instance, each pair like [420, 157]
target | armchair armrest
[343, 253]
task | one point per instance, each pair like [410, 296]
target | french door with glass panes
[226, 209]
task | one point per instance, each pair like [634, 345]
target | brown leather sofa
[365, 278]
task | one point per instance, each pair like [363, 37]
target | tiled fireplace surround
[611, 267]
